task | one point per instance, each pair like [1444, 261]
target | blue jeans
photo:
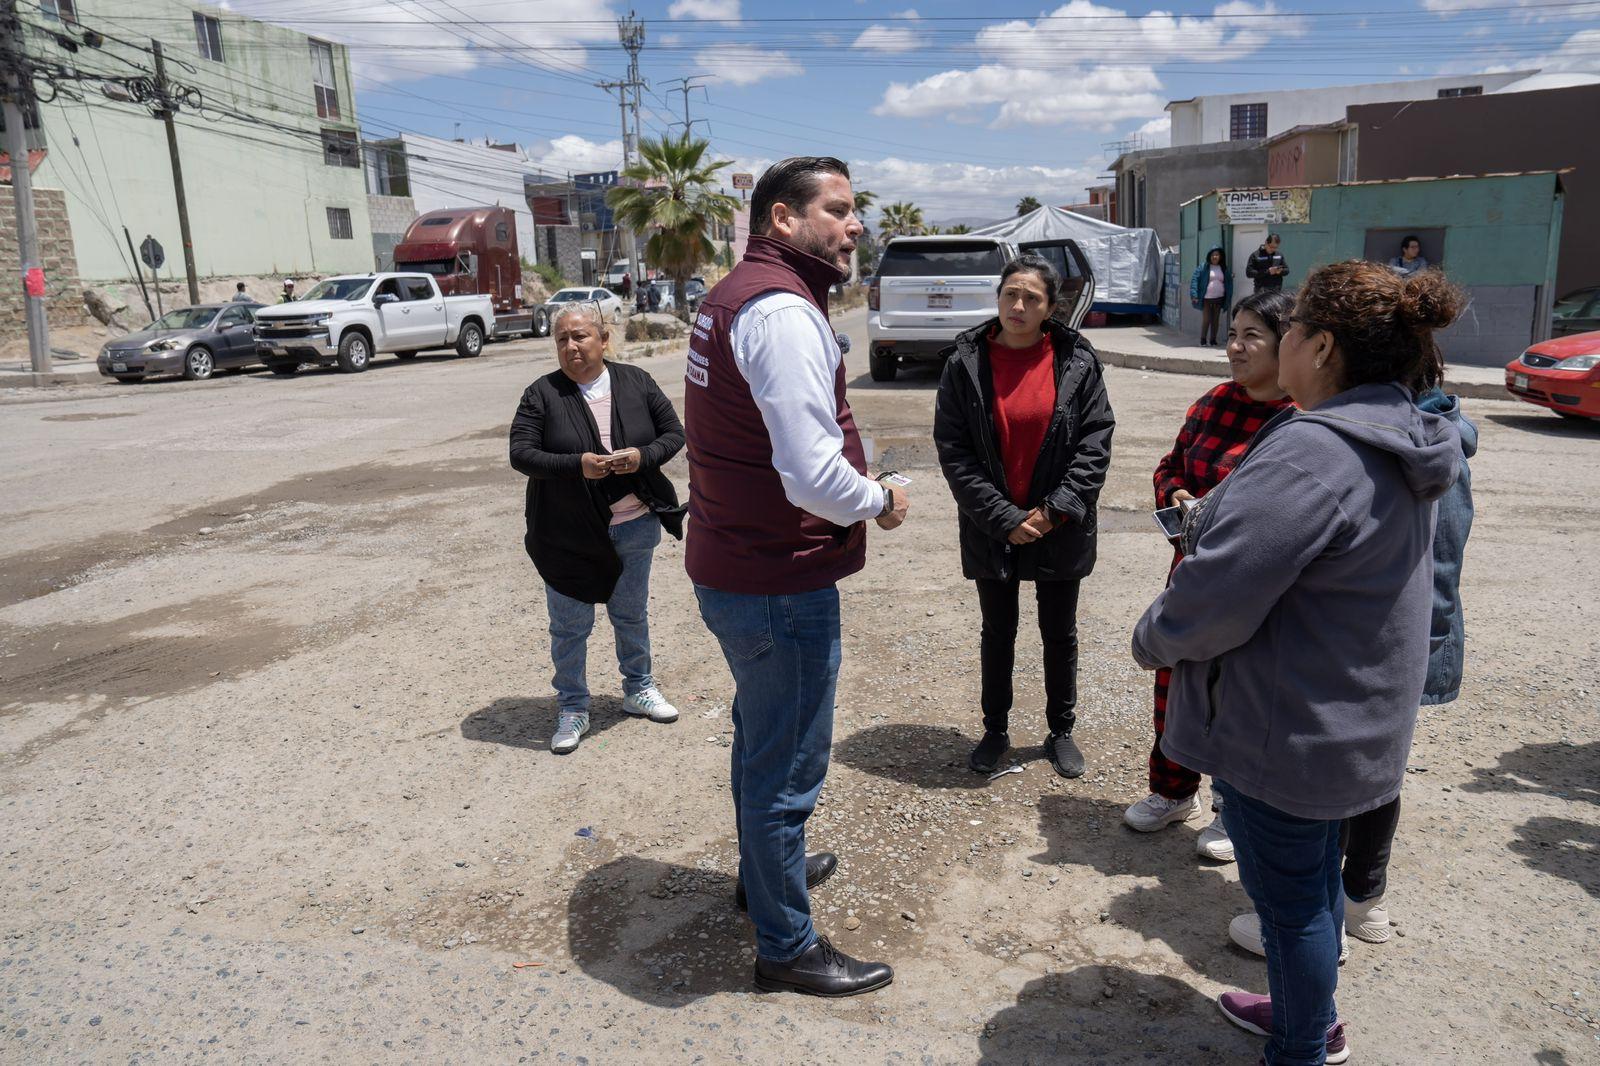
[571, 621]
[783, 652]
[1290, 868]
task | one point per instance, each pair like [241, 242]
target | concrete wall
[257, 197]
[63, 293]
[1175, 175]
[1498, 134]
[391, 217]
[1206, 118]
[1500, 234]
[562, 247]
[445, 174]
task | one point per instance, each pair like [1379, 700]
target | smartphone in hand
[1170, 520]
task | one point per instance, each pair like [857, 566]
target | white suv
[930, 289]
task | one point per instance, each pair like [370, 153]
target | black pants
[1058, 627]
[1367, 840]
[1210, 319]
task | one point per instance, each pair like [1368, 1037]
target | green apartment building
[266, 131]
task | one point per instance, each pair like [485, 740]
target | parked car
[1576, 312]
[544, 315]
[192, 341]
[695, 291]
[1562, 374]
[346, 321]
[930, 289]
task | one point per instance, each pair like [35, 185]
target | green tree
[671, 194]
[959, 227]
[1027, 205]
[901, 220]
[865, 198]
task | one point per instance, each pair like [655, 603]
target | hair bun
[1429, 301]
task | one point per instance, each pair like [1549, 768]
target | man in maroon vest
[778, 500]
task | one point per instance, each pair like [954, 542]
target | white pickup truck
[348, 320]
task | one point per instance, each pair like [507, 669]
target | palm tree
[959, 227]
[1027, 205]
[865, 198]
[901, 220]
[672, 195]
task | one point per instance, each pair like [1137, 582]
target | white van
[930, 289]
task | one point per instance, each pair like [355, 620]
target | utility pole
[17, 101]
[686, 86]
[630, 32]
[165, 108]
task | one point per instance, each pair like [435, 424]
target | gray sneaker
[570, 727]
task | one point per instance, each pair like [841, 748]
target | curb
[27, 378]
[1200, 367]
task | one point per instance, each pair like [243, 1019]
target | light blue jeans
[783, 652]
[571, 621]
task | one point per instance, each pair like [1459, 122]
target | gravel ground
[274, 721]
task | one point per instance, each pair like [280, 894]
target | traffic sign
[151, 252]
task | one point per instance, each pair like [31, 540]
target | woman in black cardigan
[592, 437]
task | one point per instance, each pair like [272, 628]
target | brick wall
[64, 298]
[390, 214]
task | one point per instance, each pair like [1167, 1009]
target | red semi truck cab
[470, 250]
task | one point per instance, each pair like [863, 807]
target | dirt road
[274, 708]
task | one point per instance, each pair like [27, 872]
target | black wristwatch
[888, 501]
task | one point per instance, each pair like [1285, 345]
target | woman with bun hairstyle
[1215, 434]
[1297, 626]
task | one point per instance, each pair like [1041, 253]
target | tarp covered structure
[1126, 262]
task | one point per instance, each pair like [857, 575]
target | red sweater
[1024, 401]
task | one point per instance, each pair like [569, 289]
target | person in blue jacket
[1211, 291]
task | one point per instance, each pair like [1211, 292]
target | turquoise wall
[257, 197]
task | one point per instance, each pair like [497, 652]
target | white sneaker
[570, 728]
[1213, 842]
[1157, 812]
[1245, 931]
[650, 703]
[1367, 921]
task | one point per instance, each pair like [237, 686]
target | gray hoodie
[1297, 629]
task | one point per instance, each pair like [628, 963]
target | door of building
[1246, 239]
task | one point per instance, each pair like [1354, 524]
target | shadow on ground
[1188, 908]
[1548, 424]
[923, 755]
[663, 934]
[528, 721]
[1559, 770]
[1109, 1014]
[1562, 847]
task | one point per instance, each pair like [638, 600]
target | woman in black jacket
[592, 437]
[1023, 428]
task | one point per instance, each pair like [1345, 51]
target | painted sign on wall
[1237, 207]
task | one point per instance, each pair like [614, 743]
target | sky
[961, 113]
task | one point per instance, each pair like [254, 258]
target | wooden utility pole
[166, 108]
[17, 93]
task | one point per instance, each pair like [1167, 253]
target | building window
[340, 149]
[208, 35]
[323, 80]
[1465, 90]
[339, 227]
[1246, 122]
[60, 10]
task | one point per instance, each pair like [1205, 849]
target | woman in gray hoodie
[1297, 625]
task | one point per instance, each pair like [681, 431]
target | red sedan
[1562, 374]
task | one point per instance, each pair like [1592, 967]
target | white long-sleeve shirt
[787, 353]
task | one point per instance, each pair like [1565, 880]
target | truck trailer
[471, 250]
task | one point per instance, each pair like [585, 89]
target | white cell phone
[1170, 519]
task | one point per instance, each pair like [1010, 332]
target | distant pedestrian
[288, 291]
[1211, 291]
[1023, 427]
[654, 297]
[1267, 266]
[1410, 259]
[592, 437]
[626, 288]
[240, 296]
[779, 500]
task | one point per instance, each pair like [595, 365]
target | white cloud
[739, 64]
[719, 10]
[394, 41]
[1040, 72]
[574, 154]
[949, 190]
[891, 39]
[1580, 53]
[1157, 132]
[1098, 97]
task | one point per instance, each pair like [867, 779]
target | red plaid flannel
[1215, 434]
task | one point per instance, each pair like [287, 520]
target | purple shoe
[1253, 1014]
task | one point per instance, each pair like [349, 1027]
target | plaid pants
[1167, 778]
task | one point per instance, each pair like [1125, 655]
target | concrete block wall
[63, 293]
[391, 214]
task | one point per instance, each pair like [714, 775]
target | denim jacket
[1453, 524]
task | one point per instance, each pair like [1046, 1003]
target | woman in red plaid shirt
[1218, 429]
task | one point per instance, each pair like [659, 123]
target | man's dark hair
[239, 287]
[1410, 239]
[1273, 238]
[791, 181]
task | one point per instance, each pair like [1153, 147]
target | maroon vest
[744, 535]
